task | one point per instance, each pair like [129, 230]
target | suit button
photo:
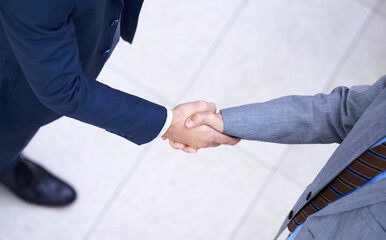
[114, 22]
[106, 53]
[290, 215]
[308, 196]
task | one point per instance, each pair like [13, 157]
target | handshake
[196, 125]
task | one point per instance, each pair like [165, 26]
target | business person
[347, 199]
[50, 56]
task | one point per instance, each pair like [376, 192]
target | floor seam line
[367, 5]
[251, 205]
[352, 45]
[257, 196]
[135, 80]
[254, 157]
[293, 181]
[115, 194]
[213, 48]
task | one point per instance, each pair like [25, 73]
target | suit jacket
[51, 53]
[353, 117]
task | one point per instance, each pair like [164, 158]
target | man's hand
[201, 136]
[212, 119]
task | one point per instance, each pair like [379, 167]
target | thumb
[213, 120]
[203, 106]
[225, 139]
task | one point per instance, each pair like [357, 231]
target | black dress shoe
[34, 184]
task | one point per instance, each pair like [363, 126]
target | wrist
[221, 122]
[173, 128]
[168, 122]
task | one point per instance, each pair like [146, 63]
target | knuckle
[198, 116]
[202, 104]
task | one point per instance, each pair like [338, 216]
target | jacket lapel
[370, 128]
[369, 195]
[367, 131]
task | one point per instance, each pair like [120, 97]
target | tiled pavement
[229, 52]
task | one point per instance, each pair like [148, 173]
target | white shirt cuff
[167, 124]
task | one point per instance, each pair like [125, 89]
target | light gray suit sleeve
[323, 118]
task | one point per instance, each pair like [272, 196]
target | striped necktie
[360, 171]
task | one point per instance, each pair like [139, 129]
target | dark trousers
[21, 116]
[10, 148]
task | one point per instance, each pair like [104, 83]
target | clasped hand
[196, 125]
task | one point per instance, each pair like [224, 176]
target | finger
[206, 118]
[203, 106]
[176, 145]
[172, 145]
[212, 107]
[225, 139]
[197, 119]
[213, 144]
[189, 150]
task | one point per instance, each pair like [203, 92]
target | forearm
[92, 102]
[302, 119]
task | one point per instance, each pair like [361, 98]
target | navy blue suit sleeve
[43, 38]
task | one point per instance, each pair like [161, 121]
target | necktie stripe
[334, 190]
[376, 154]
[342, 188]
[364, 168]
[347, 183]
[319, 202]
[381, 149]
[330, 195]
[314, 207]
[291, 226]
[351, 178]
[326, 200]
[359, 160]
[373, 160]
[304, 214]
[309, 210]
[296, 222]
[358, 174]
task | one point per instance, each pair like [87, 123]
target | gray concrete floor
[231, 52]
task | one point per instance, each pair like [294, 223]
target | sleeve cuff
[167, 124]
